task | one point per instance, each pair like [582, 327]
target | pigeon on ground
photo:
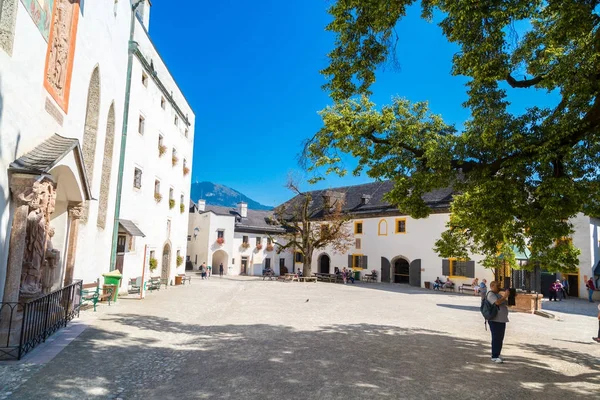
[307, 300]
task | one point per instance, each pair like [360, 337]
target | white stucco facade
[29, 115]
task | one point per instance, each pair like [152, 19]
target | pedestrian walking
[498, 323]
[209, 270]
[556, 291]
[203, 270]
[565, 287]
[590, 287]
[597, 338]
[221, 270]
[483, 289]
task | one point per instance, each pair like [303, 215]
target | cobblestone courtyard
[242, 338]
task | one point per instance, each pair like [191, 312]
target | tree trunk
[306, 268]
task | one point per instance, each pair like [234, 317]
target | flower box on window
[186, 171]
[175, 160]
[171, 203]
[157, 197]
[245, 245]
[179, 261]
[153, 263]
[182, 208]
[259, 246]
[220, 241]
[269, 247]
[162, 149]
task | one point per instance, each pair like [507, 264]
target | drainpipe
[131, 47]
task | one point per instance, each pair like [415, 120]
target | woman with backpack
[498, 322]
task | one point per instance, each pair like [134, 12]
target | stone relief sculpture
[60, 53]
[41, 207]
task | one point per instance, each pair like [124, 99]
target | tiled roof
[374, 192]
[256, 220]
[45, 156]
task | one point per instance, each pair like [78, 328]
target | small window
[189, 238]
[258, 240]
[244, 239]
[458, 268]
[168, 227]
[137, 178]
[401, 225]
[141, 126]
[268, 241]
[160, 140]
[163, 103]
[144, 79]
[358, 244]
[152, 254]
[358, 228]
[156, 186]
[184, 163]
[176, 121]
[181, 199]
[171, 194]
[298, 257]
[220, 234]
[186, 132]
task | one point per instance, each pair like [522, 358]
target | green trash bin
[113, 278]
[357, 276]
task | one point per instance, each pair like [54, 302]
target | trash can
[113, 278]
[106, 288]
[357, 275]
[178, 280]
[427, 285]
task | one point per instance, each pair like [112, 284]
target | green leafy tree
[518, 177]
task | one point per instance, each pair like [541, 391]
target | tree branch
[525, 83]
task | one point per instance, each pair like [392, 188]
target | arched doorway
[401, 271]
[166, 263]
[220, 256]
[324, 263]
[106, 167]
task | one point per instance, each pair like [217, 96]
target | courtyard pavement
[244, 338]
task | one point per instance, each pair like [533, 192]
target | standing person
[209, 270]
[565, 287]
[555, 288]
[498, 323]
[590, 287]
[483, 289]
[344, 275]
[203, 271]
[221, 270]
[597, 339]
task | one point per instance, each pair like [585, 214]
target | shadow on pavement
[358, 361]
[458, 307]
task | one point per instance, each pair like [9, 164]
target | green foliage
[171, 203]
[153, 263]
[519, 178]
[179, 260]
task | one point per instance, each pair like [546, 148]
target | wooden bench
[369, 278]
[184, 278]
[91, 293]
[307, 279]
[467, 287]
[445, 288]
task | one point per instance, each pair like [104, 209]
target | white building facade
[63, 70]
[239, 238]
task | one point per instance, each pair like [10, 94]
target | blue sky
[251, 73]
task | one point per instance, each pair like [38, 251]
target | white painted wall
[102, 40]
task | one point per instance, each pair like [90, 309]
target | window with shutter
[446, 267]
[358, 228]
[357, 245]
[364, 263]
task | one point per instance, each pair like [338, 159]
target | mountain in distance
[221, 195]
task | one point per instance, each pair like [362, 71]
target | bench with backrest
[467, 287]
[184, 278]
[135, 287]
[445, 288]
[91, 293]
[164, 282]
[153, 284]
[307, 279]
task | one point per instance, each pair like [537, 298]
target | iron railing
[25, 325]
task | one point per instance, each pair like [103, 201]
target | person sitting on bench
[437, 284]
[449, 284]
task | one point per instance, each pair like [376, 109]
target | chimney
[201, 205]
[365, 199]
[243, 209]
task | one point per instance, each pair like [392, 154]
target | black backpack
[488, 310]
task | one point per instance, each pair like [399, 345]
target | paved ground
[242, 338]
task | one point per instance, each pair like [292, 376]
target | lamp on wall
[196, 231]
